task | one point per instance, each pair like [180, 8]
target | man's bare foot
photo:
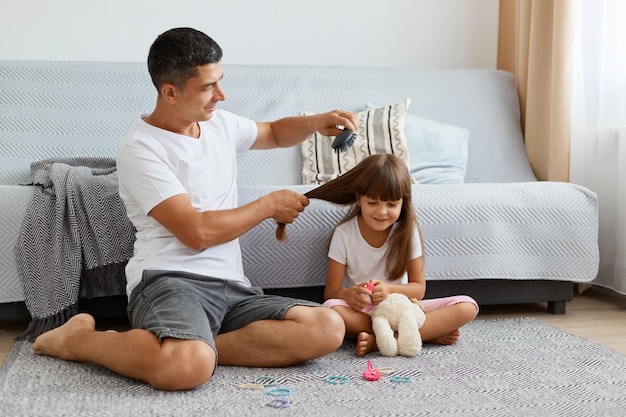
[446, 339]
[365, 343]
[55, 342]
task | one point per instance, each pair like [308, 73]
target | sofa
[490, 229]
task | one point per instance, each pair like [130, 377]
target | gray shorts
[183, 305]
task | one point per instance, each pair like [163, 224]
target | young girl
[379, 242]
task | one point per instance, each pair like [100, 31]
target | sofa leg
[556, 307]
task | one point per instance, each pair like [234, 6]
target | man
[190, 305]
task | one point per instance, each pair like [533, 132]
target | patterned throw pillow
[381, 130]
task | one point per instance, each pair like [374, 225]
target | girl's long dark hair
[383, 177]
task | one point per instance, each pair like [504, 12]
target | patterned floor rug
[511, 367]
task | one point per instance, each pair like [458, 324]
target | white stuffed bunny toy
[398, 313]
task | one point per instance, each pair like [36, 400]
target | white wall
[405, 33]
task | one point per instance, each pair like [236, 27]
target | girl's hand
[380, 291]
[357, 296]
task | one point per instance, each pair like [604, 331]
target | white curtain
[598, 143]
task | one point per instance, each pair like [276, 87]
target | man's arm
[291, 131]
[198, 230]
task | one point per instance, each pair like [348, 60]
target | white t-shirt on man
[154, 164]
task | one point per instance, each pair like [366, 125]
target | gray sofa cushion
[50, 109]
[483, 101]
[516, 231]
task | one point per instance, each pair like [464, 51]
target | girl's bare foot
[365, 343]
[446, 339]
[56, 341]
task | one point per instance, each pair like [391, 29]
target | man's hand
[327, 123]
[285, 205]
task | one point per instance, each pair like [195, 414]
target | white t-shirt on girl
[363, 261]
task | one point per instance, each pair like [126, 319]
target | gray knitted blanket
[75, 240]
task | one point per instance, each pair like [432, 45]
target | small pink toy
[367, 297]
[371, 374]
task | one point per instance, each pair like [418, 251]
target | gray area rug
[512, 367]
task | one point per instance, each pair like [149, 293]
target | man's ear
[169, 92]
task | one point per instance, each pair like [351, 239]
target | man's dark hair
[175, 55]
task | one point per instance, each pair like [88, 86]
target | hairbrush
[343, 140]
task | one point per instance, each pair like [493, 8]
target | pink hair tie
[371, 374]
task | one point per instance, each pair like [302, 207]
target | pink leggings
[429, 305]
